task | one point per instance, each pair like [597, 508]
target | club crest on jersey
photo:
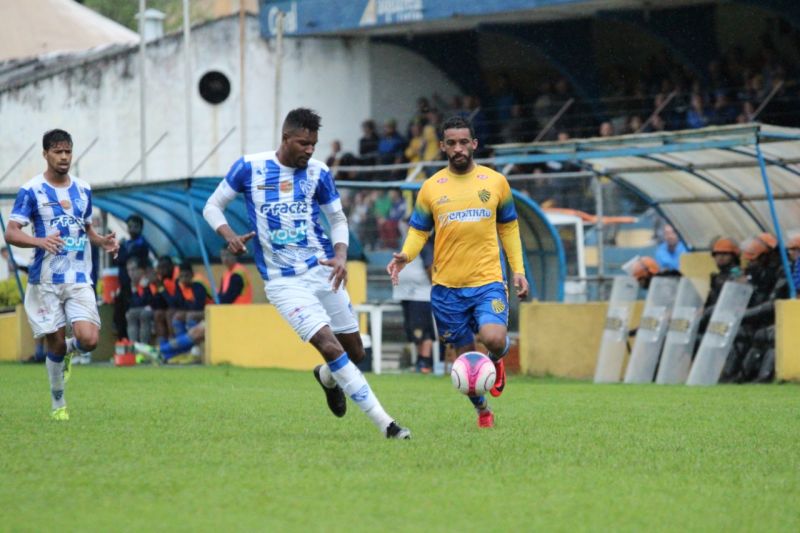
[484, 195]
[498, 306]
[287, 186]
[66, 204]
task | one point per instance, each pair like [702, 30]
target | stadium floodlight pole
[187, 61]
[278, 59]
[17, 162]
[13, 261]
[242, 116]
[142, 92]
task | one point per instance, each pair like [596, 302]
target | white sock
[355, 385]
[55, 372]
[70, 343]
[326, 377]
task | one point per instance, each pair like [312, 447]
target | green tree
[125, 12]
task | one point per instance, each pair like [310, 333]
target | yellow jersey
[466, 211]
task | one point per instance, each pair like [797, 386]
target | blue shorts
[461, 312]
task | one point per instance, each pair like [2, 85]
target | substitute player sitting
[59, 207]
[468, 206]
[304, 269]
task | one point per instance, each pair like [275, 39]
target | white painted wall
[345, 80]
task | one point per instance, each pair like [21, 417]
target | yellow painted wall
[563, 339]
[787, 349]
[698, 266]
[257, 336]
[16, 337]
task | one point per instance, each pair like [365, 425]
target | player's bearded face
[299, 147]
[459, 146]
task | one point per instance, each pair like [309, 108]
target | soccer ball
[473, 374]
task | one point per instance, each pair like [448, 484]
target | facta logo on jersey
[464, 215]
[288, 235]
[285, 208]
[64, 221]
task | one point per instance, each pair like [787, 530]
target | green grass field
[218, 449]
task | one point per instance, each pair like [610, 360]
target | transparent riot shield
[652, 330]
[720, 334]
[611, 355]
[676, 357]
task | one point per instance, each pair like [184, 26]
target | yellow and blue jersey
[466, 211]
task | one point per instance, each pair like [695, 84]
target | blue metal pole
[781, 245]
[13, 263]
[203, 251]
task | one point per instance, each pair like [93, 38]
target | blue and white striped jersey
[63, 210]
[283, 208]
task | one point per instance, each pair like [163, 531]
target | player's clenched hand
[53, 243]
[521, 285]
[399, 260]
[236, 244]
[338, 277]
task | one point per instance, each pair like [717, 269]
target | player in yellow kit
[468, 206]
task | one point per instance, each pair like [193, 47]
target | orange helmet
[758, 245]
[644, 267]
[724, 245]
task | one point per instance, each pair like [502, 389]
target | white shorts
[48, 305]
[308, 303]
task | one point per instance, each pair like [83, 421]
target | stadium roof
[36, 27]
[734, 181]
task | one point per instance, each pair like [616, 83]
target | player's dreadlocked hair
[54, 137]
[456, 122]
[301, 118]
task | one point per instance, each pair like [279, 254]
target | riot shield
[611, 355]
[652, 330]
[676, 357]
[720, 334]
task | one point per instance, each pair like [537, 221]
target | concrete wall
[345, 80]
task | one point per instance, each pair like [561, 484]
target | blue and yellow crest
[484, 195]
[498, 306]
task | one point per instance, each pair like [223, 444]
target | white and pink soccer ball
[473, 374]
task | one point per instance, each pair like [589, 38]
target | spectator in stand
[668, 253]
[606, 129]
[391, 144]
[724, 111]
[336, 154]
[139, 316]
[393, 210]
[135, 246]
[698, 115]
[504, 99]
[192, 297]
[472, 111]
[235, 286]
[420, 115]
[165, 302]
[515, 129]
[368, 144]
[416, 145]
